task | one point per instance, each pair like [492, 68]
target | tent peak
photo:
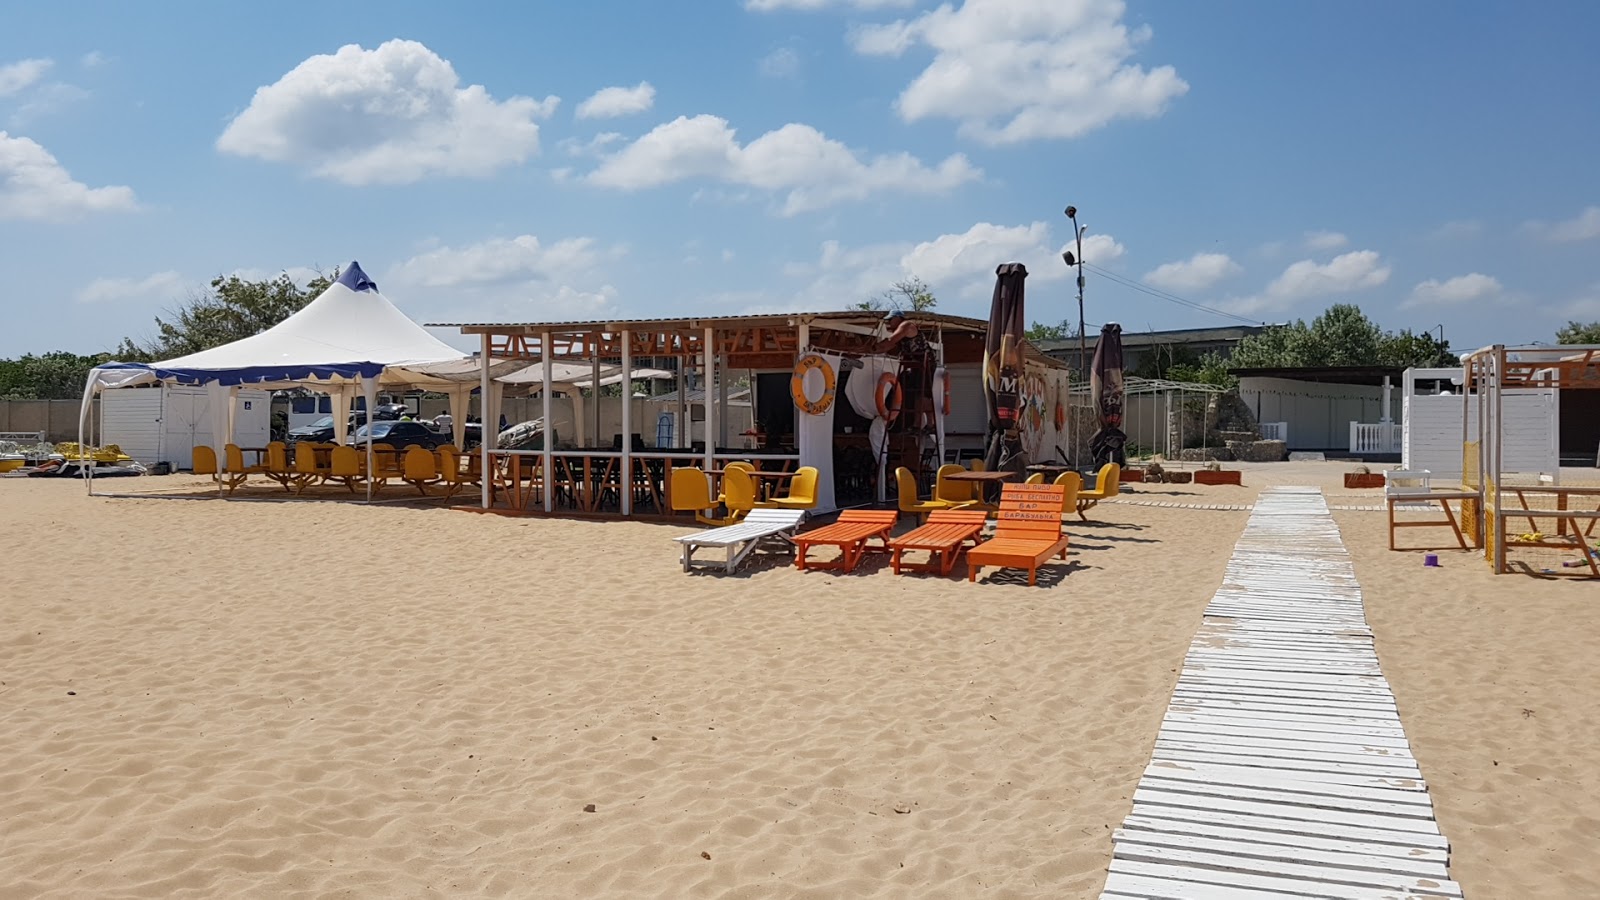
[357, 280]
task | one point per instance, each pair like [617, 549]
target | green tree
[1060, 331]
[1208, 369]
[231, 310]
[1579, 333]
[1422, 351]
[58, 375]
[1341, 336]
[912, 294]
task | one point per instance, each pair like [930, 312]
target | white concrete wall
[1319, 415]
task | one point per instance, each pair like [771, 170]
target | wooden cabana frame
[1488, 374]
[712, 344]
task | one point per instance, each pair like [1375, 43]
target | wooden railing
[591, 481]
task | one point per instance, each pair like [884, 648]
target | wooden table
[986, 480]
[1050, 468]
[763, 476]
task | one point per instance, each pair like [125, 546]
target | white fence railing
[1382, 437]
[1274, 431]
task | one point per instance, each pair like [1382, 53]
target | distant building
[1138, 346]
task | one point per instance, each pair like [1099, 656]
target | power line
[1159, 294]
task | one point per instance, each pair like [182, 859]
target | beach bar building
[827, 390]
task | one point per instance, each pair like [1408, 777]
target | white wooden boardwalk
[1281, 769]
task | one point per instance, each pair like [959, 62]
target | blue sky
[1431, 161]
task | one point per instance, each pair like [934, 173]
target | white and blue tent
[348, 342]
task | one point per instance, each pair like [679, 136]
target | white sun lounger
[741, 540]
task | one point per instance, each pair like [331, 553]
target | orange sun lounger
[850, 533]
[1027, 532]
[944, 536]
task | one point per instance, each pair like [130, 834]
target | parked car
[399, 434]
[321, 431]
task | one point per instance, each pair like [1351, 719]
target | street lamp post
[1071, 260]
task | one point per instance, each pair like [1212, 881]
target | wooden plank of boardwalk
[1282, 768]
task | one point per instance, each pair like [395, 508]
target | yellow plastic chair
[739, 494]
[1035, 478]
[278, 467]
[737, 464]
[957, 494]
[205, 462]
[421, 469]
[305, 466]
[691, 492]
[802, 491]
[906, 483]
[978, 465]
[451, 473]
[237, 472]
[385, 463]
[1072, 483]
[345, 464]
[1107, 484]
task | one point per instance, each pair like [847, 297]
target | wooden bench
[850, 533]
[1416, 487]
[1027, 531]
[944, 536]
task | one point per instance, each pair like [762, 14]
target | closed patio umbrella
[1002, 367]
[1105, 388]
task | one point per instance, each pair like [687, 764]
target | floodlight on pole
[1071, 261]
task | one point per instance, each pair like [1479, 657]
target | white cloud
[502, 260]
[567, 302]
[814, 170]
[33, 185]
[1099, 249]
[1585, 226]
[780, 63]
[1307, 279]
[46, 99]
[959, 267]
[1585, 308]
[103, 290]
[611, 102]
[1018, 70]
[18, 75]
[93, 59]
[392, 115]
[815, 5]
[591, 147]
[1457, 290]
[1457, 229]
[1196, 273]
[1325, 240]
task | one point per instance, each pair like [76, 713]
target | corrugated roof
[854, 317]
[1147, 338]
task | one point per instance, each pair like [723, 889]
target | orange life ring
[941, 384]
[888, 399]
[797, 384]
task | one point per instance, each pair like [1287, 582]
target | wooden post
[626, 478]
[547, 476]
[710, 356]
[484, 386]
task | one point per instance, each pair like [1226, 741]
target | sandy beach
[265, 699]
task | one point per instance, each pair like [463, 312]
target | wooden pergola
[711, 344]
[1489, 374]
